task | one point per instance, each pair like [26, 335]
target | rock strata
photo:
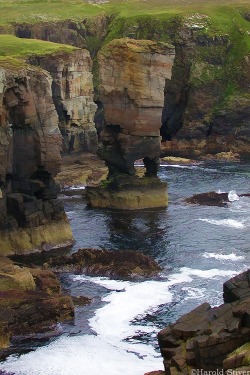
[72, 92]
[211, 338]
[106, 263]
[30, 145]
[132, 80]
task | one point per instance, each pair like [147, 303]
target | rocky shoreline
[31, 298]
[211, 339]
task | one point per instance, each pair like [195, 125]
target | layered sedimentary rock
[30, 301]
[207, 99]
[211, 338]
[85, 33]
[30, 145]
[72, 91]
[132, 80]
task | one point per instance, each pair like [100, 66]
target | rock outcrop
[72, 92]
[132, 79]
[209, 199]
[211, 338]
[106, 263]
[30, 145]
[30, 301]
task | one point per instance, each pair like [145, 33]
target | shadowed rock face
[211, 338]
[199, 117]
[132, 81]
[30, 145]
[72, 92]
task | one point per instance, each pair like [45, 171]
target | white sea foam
[80, 355]
[77, 187]
[219, 256]
[233, 196]
[208, 274]
[189, 167]
[194, 293]
[226, 223]
[241, 205]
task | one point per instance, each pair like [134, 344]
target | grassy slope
[13, 50]
[16, 47]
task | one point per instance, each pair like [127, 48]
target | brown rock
[219, 336]
[209, 199]
[30, 301]
[14, 277]
[237, 288]
[72, 90]
[106, 263]
[132, 80]
[30, 145]
[46, 281]
[132, 75]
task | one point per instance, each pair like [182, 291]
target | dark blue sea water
[198, 247]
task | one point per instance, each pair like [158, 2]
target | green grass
[16, 47]
[33, 11]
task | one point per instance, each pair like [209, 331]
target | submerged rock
[209, 199]
[211, 338]
[106, 263]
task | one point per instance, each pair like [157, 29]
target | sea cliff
[35, 104]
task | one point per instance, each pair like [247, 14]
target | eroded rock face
[211, 338]
[132, 81]
[30, 145]
[72, 91]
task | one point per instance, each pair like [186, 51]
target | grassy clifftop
[14, 51]
[33, 11]
[141, 19]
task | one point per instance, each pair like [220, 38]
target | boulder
[237, 288]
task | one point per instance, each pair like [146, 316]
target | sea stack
[132, 80]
